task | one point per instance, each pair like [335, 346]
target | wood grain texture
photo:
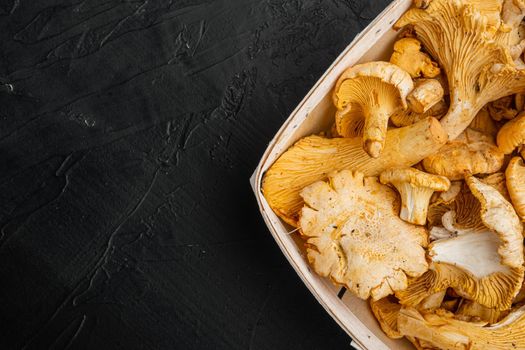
[128, 132]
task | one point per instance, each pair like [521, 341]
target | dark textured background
[128, 132]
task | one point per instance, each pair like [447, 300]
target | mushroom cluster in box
[417, 201]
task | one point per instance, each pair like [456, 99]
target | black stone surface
[128, 132]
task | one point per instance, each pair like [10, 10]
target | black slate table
[128, 132]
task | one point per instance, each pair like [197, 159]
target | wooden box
[314, 114]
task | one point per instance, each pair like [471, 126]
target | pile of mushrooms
[417, 201]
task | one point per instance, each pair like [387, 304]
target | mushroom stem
[374, 91]
[426, 94]
[498, 82]
[515, 176]
[414, 202]
[376, 125]
[386, 311]
[471, 52]
[313, 157]
[444, 331]
[512, 13]
[517, 50]
[460, 115]
[433, 301]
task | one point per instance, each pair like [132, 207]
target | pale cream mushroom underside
[355, 237]
[483, 266]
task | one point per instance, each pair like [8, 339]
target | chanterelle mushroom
[376, 90]
[407, 55]
[463, 215]
[313, 157]
[471, 153]
[519, 99]
[426, 94]
[515, 175]
[473, 312]
[408, 117]
[486, 266]
[422, 3]
[420, 344]
[465, 38]
[512, 134]
[443, 331]
[433, 301]
[442, 204]
[502, 109]
[512, 15]
[484, 124]
[349, 122]
[386, 311]
[355, 237]
[491, 10]
[498, 181]
[415, 188]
